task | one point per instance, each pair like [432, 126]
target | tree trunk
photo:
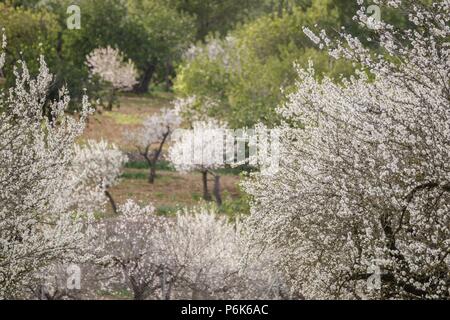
[59, 45]
[169, 73]
[144, 82]
[138, 295]
[111, 99]
[152, 161]
[280, 8]
[152, 175]
[217, 190]
[206, 195]
[111, 200]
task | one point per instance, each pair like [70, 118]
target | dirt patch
[111, 125]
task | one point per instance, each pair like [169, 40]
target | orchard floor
[112, 125]
[171, 189]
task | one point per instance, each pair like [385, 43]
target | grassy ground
[171, 189]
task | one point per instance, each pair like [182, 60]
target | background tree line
[261, 39]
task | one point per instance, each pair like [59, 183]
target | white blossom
[131, 247]
[366, 182]
[203, 148]
[96, 168]
[36, 151]
[108, 63]
[150, 138]
[195, 255]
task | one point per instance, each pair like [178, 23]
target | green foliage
[134, 175]
[244, 81]
[234, 207]
[102, 24]
[216, 16]
[166, 210]
[159, 36]
[29, 33]
[149, 32]
[146, 31]
[248, 73]
[161, 165]
[35, 28]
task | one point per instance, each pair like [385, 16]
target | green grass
[134, 175]
[143, 175]
[196, 196]
[167, 166]
[160, 165]
[234, 171]
[164, 165]
[167, 210]
[159, 195]
[123, 118]
[234, 207]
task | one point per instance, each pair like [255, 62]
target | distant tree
[108, 64]
[159, 36]
[150, 139]
[248, 73]
[30, 33]
[97, 166]
[216, 16]
[202, 149]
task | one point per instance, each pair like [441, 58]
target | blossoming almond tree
[151, 137]
[163, 258]
[36, 229]
[108, 64]
[133, 249]
[360, 206]
[96, 167]
[205, 251]
[215, 259]
[195, 255]
[204, 149]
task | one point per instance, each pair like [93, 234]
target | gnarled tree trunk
[206, 194]
[111, 200]
[152, 175]
[144, 82]
[216, 190]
